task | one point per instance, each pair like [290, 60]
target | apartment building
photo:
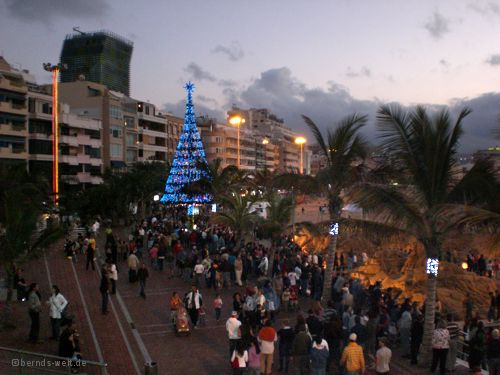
[80, 145]
[280, 153]
[13, 115]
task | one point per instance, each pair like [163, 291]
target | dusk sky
[322, 58]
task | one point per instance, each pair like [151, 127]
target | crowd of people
[353, 332]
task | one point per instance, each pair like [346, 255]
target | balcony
[13, 108]
[70, 140]
[87, 178]
[69, 159]
[13, 152]
[83, 159]
[15, 130]
[16, 85]
[95, 162]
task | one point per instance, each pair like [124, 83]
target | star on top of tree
[189, 87]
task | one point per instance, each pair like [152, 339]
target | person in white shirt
[113, 276]
[382, 357]
[199, 269]
[233, 331]
[57, 303]
[264, 265]
[241, 355]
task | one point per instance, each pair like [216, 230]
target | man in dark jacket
[142, 275]
[416, 333]
[300, 350]
[319, 356]
[285, 336]
[493, 353]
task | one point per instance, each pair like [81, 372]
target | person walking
[353, 358]
[57, 303]
[267, 337]
[239, 359]
[254, 358]
[233, 331]
[238, 269]
[404, 325]
[319, 356]
[133, 266]
[34, 309]
[113, 275]
[104, 289]
[440, 346]
[142, 276]
[493, 353]
[382, 357]
[193, 304]
[285, 343]
[90, 255]
[300, 350]
[217, 306]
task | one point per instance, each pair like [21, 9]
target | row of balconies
[13, 108]
[15, 130]
[80, 159]
[80, 139]
[81, 178]
[13, 152]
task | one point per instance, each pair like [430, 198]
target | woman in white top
[240, 354]
[57, 303]
[440, 346]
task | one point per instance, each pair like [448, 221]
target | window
[129, 122]
[131, 156]
[93, 134]
[147, 109]
[130, 139]
[116, 131]
[116, 150]
[47, 108]
[115, 112]
[31, 105]
[40, 127]
[218, 139]
[40, 147]
[93, 152]
[219, 150]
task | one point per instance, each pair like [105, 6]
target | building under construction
[101, 57]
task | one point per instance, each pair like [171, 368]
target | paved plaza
[136, 330]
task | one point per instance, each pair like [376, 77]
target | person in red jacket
[267, 338]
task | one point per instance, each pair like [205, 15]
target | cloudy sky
[322, 58]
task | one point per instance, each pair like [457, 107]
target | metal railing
[15, 361]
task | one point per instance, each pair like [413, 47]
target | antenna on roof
[77, 29]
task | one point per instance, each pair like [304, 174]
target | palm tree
[279, 213]
[236, 214]
[429, 200]
[342, 148]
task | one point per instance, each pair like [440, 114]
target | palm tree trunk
[327, 283]
[430, 309]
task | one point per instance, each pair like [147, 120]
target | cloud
[234, 52]
[486, 9]
[46, 11]
[206, 99]
[493, 60]
[227, 83]
[437, 26]
[198, 73]
[288, 98]
[444, 63]
[363, 72]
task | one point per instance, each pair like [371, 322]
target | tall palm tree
[279, 213]
[236, 214]
[342, 147]
[429, 199]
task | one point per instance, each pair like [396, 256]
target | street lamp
[265, 141]
[237, 121]
[55, 69]
[300, 141]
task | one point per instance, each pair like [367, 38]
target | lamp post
[237, 121]
[300, 141]
[55, 69]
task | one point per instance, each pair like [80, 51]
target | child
[294, 303]
[217, 306]
[285, 298]
[202, 316]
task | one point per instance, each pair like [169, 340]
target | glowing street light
[55, 69]
[265, 141]
[237, 121]
[300, 141]
[465, 265]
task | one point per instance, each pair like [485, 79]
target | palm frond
[318, 136]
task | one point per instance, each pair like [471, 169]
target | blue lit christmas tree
[188, 156]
